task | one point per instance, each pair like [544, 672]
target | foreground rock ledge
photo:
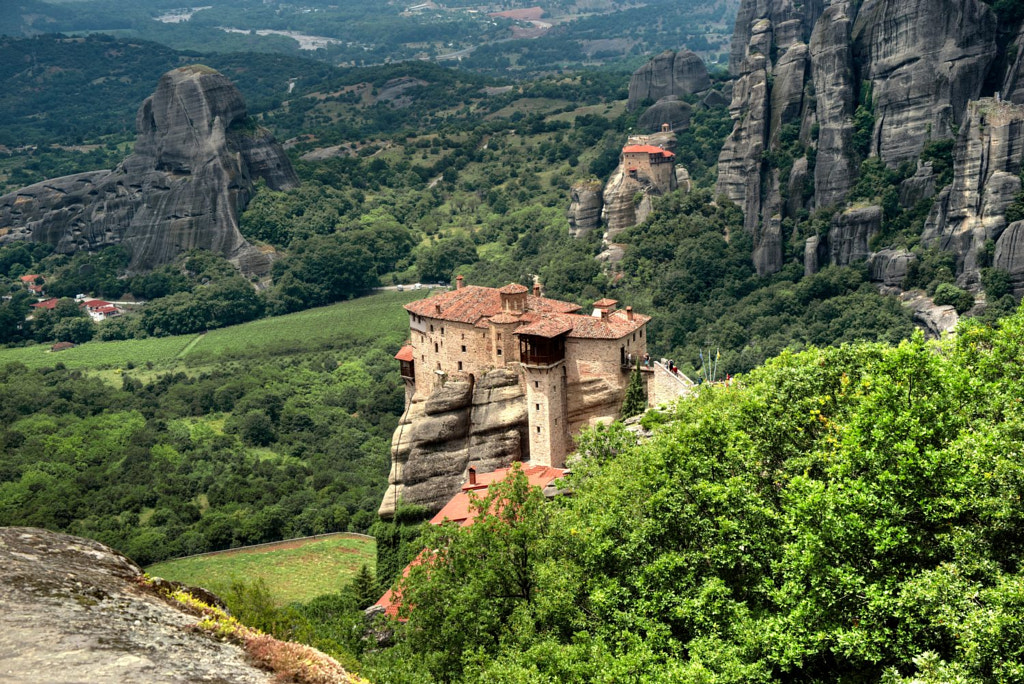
[73, 610]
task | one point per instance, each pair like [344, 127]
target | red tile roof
[48, 304]
[604, 303]
[95, 303]
[471, 303]
[614, 326]
[504, 318]
[458, 510]
[405, 353]
[546, 325]
[513, 288]
[649, 149]
[29, 278]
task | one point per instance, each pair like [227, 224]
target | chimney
[629, 312]
[472, 476]
[536, 289]
[458, 282]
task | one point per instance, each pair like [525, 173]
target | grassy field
[294, 571]
[327, 327]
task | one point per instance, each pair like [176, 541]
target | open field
[293, 570]
[328, 327]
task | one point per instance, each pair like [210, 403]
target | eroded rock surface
[71, 610]
[196, 158]
[461, 424]
[585, 206]
[670, 73]
[987, 162]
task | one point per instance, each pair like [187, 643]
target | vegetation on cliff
[848, 514]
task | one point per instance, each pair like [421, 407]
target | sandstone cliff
[988, 159]
[668, 74]
[74, 610]
[585, 206]
[461, 424]
[196, 158]
[908, 66]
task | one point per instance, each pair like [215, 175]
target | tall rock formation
[925, 59]
[670, 73]
[795, 104]
[1013, 80]
[461, 424]
[585, 206]
[987, 163]
[196, 158]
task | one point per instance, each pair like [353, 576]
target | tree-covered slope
[846, 514]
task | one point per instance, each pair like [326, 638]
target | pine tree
[636, 398]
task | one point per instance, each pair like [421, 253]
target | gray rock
[585, 207]
[815, 254]
[889, 266]
[799, 176]
[714, 98]
[793, 22]
[1013, 81]
[918, 187]
[74, 610]
[987, 161]
[196, 158]
[670, 73]
[850, 233]
[934, 319]
[1009, 255]
[925, 60]
[481, 424]
[669, 110]
[834, 84]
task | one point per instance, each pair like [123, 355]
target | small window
[538, 429]
[499, 352]
[463, 335]
[538, 406]
[463, 349]
[499, 337]
[536, 384]
[435, 347]
[431, 327]
[442, 330]
[460, 365]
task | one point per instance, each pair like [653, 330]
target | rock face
[987, 162]
[627, 198]
[799, 71]
[1013, 81]
[669, 110]
[1009, 255]
[585, 207]
[670, 73]
[461, 424]
[925, 60]
[73, 611]
[850, 234]
[197, 156]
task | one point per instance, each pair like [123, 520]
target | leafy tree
[635, 400]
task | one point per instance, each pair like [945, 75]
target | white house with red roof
[100, 310]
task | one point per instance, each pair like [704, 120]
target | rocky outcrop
[75, 610]
[623, 197]
[920, 186]
[934, 319]
[834, 85]
[585, 207]
[196, 158]
[670, 110]
[670, 73]
[987, 162]
[850, 234]
[1013, 81]
[925, 59]
[889, 267]
[793, 22]
[461, 424]
[1009, 255]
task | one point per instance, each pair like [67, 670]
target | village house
[573, 367]
[33, 283]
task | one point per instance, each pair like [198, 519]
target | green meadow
[293, 571]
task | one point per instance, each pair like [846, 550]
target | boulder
[585, 207]
[889, 266]
[669, 110]
[670, 73]
[925, 60]
[934, 319]
[850, 234]
[75, 610]
[1009, 255]
[197, 156]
